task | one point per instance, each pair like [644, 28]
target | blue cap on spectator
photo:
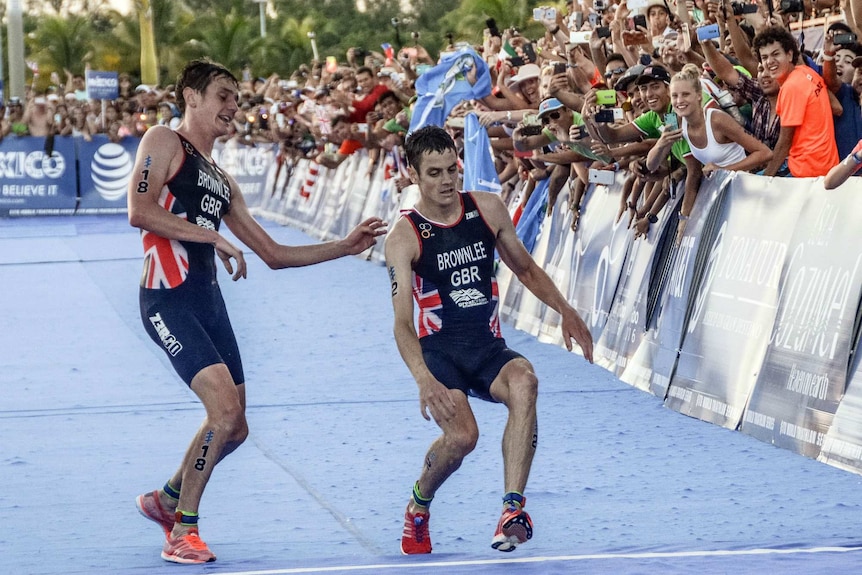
[549, 105]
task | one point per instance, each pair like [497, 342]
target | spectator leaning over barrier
[369, 91]
[678, 166]
[556, 121]
[762, 93]
[851, 164]
[344, 143]
[807, 136]
[715, 139]
[838, 74]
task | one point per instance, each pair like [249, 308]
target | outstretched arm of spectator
[658, 154]
[846, 168]
[741, 47]
[830, 72]
[560, 89]
[719, 64]
[606, 133]
[628, 54]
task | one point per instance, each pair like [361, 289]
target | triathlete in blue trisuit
[442, 254]
[178, 197]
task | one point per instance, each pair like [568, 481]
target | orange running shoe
[188, 548]
[151, 508]
[415, 539]
[515, 527]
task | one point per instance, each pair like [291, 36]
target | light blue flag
[445, 86]
[480, 174]
[530, 224]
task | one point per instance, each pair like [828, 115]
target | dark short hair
[388, 95]
[776, 34]
[427, 139]
[198, 75]
[364, 70]
[855, 47]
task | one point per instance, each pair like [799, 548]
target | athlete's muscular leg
[517, 387]
[445, 455]
[223, 430]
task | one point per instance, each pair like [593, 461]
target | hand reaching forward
[363, 236]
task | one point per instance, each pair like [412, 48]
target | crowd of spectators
[666, 92]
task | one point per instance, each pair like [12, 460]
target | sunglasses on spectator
[555, 115]
[619, 70]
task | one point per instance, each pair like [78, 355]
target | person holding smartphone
[840, 49]
[715, 139]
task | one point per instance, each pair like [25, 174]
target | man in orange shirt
[807, 135]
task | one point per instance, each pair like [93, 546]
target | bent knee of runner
[462, 440]
[517, 385]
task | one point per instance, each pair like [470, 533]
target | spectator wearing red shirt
[369, 91]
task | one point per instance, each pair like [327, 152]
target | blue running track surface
[92, 415]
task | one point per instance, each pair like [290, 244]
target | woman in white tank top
[715, 138]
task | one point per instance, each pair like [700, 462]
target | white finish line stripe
[561, 558]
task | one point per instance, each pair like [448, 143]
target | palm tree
[231, 39]
[61, 43]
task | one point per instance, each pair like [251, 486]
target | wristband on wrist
[827, 57]
[555, 30]
[652, 218]
[682, 217]
[856, 157]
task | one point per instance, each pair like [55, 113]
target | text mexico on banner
[735, 306]
[804, 372]
[104, 170]
[32, 182]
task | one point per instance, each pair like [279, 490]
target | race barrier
[749, 318]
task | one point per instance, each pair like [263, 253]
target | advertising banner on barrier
[34, 183]
[842, 445]
[531, 310]
[652, 364]
[735, 305]
[104, 170]
[249, 165]
[804, 373]
[600, 248]
[558, 265]
[626, 322]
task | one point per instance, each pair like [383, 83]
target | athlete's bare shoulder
[401, 238]
[160, 138]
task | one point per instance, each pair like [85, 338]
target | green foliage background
[68, 34]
